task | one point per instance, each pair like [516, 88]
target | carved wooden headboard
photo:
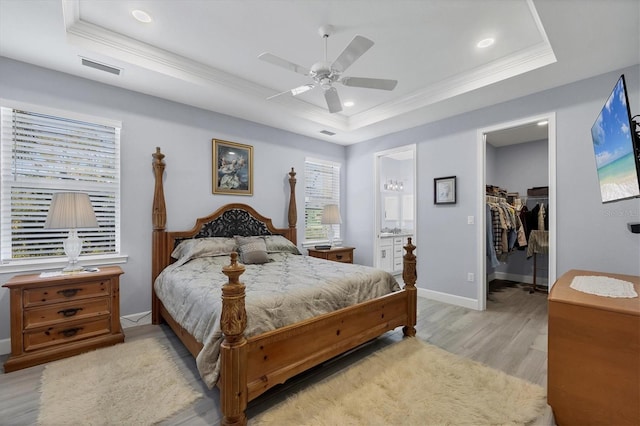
[228, 221]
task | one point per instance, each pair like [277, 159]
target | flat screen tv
[615, 147]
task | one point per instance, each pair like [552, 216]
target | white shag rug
[412, 383]
[132, 383]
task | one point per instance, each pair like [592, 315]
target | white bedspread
[287, 290]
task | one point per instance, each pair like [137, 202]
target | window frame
[55, 262]
[334, 199]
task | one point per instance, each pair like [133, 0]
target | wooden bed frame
[251, 366]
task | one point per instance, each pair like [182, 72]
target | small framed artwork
[232, 168]
[444, 190]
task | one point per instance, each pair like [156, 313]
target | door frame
[378, 199]
[480, 212]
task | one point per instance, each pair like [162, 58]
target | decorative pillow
[279, 244]
[204, 247]
[252, 250]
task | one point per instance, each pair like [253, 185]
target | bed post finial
[233, 358]
[409, 276]
[293, 212]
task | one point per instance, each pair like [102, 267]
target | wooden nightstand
[337, 254]
[64, 315]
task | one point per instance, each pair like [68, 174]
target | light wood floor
[511, 335]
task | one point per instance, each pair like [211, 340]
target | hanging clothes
[490, 244]
[541, 218]
[507, 230]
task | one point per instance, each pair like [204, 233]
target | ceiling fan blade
[369, 83]
[275, 60]
[295, 91]
[333, 100]
[353, 51]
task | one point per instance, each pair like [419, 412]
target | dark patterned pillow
[252, 250]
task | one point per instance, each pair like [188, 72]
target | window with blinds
[321, 187]
[42, 154]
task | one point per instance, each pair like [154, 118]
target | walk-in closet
[516, 209]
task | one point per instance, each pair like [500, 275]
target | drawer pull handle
[69, 332]
[69, 292]
[338, 256]
[69, 312]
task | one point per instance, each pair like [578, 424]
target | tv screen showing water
[613, 146]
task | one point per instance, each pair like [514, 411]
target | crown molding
[526, 60]
[130, 51]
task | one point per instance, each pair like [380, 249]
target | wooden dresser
[63, 315]
[337, 254]
[594, 355]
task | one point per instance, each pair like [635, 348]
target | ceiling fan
[325, 73]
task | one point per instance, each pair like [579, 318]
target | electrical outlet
[471, 220]
[470, 277]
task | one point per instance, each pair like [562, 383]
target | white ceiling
[530, 132]
[204, 53]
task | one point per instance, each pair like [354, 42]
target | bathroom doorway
[395, 221]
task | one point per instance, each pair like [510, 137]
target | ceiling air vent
[102, 67]
[326, 132]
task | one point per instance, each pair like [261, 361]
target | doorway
[508, 136]
[395, 213]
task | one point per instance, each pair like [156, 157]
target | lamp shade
[331, 215]
[71, 210]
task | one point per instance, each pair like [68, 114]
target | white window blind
[42, 154]
[322, 187]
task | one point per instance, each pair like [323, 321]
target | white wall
[590, 235]
[184, 135]
[521, 166]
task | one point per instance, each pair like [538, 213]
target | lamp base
[72, 248]
[73, 268]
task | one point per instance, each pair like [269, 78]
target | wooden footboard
[251, 366]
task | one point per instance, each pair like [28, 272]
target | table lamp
[331, 216]
[71, 210]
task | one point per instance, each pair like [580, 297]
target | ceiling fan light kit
[325, 73]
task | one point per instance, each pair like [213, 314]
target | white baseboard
[5, 346]
[451, 299]
[141, 318]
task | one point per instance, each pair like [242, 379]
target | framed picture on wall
[444, 190]
[232, 168]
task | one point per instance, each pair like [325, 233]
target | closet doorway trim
[481, 267]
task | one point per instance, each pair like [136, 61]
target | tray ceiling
[204, 53]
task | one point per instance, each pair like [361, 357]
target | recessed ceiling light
[349, 104]
[543, 123]
[142, 16]
[485, 43]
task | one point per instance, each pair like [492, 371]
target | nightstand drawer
[341, 256]
[335, 254]
[64, 333]
[64, 312]
[67, 292]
